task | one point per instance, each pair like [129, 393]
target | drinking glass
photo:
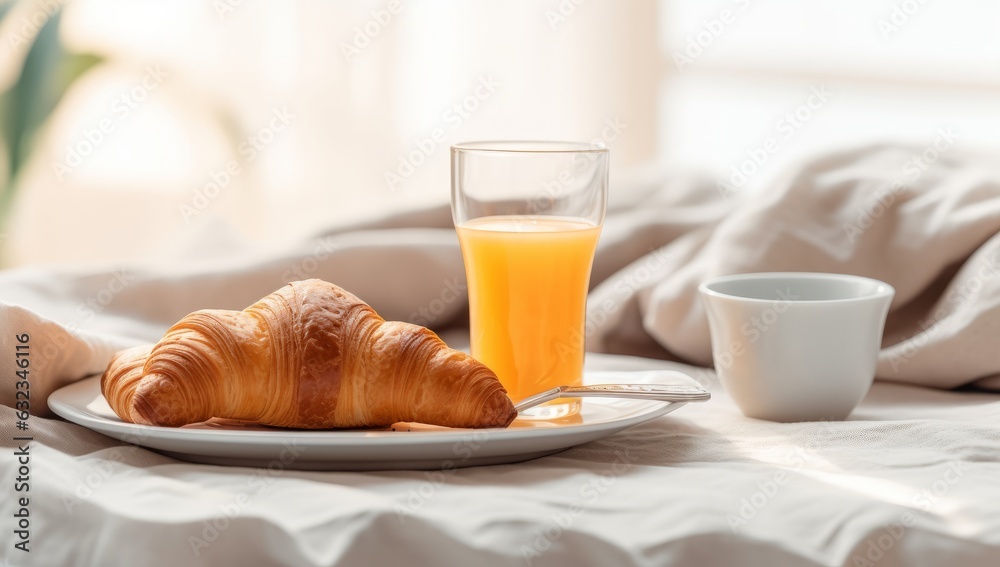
[528, 216]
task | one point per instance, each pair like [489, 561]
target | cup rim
[529, 147]
[882, 289]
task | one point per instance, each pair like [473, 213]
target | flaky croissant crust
[310, 355]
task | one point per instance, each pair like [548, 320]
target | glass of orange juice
[528, 216]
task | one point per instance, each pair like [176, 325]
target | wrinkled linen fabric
[911, 478]
[932, 234]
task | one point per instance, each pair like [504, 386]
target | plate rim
[356, 450]
[329, 437]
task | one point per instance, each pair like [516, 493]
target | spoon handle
[660, 392]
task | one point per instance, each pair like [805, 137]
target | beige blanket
[928, 227]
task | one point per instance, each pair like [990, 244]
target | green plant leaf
[46, 75]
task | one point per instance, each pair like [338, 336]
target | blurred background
[133, 129]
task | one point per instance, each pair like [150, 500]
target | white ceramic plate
[423, 447]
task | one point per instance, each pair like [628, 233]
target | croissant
[310, 355]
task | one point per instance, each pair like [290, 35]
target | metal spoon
[661, 392]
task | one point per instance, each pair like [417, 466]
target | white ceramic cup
[796, 346]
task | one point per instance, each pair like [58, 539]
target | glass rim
[530, 147]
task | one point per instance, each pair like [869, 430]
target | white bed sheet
[911, 479]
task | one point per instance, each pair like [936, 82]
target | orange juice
[528, 278]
